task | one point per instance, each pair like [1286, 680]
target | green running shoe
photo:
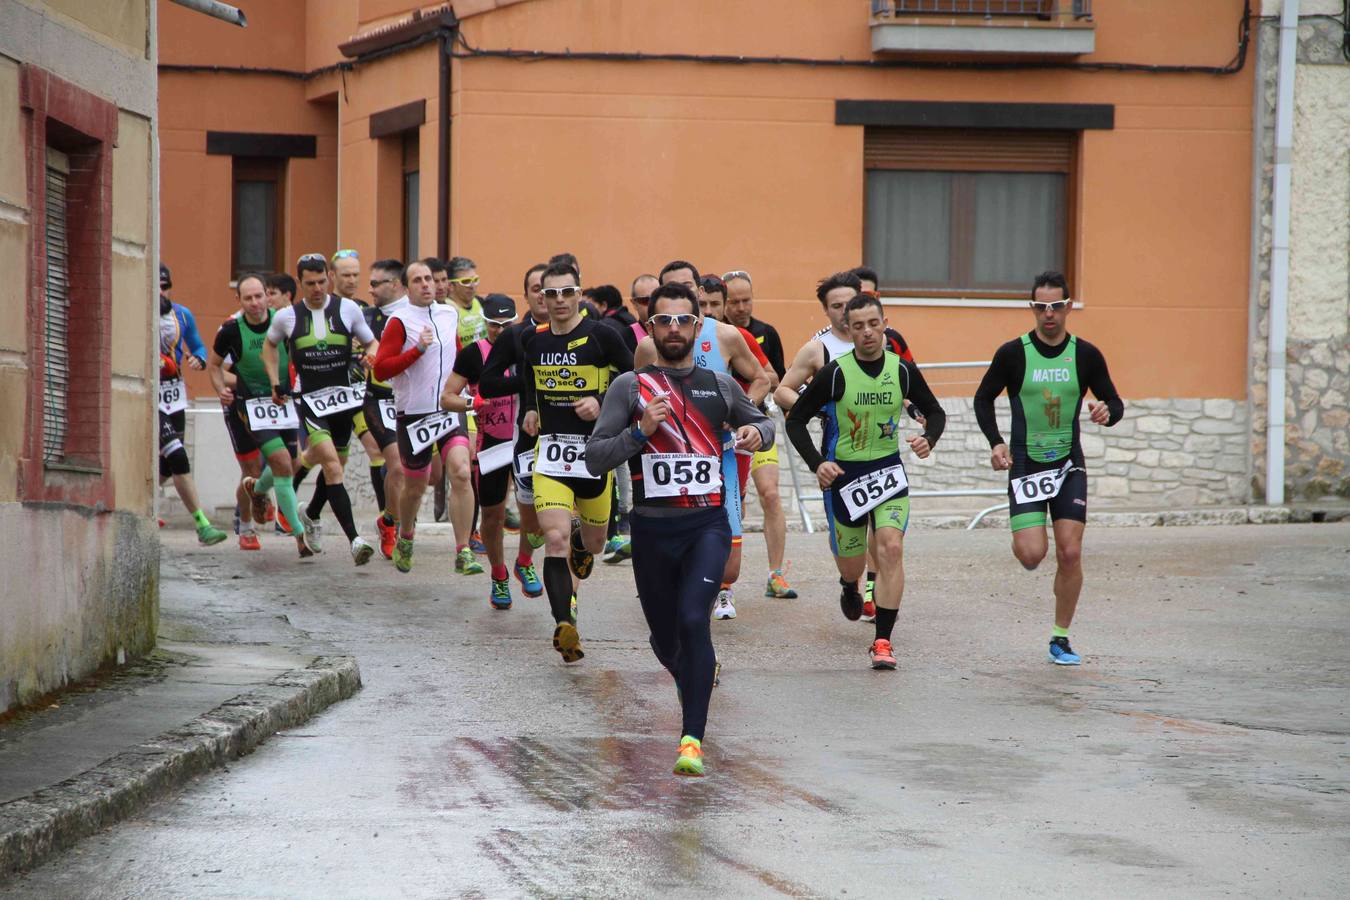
[536, 539]
[403, 550]
[690, 760]
[778, 586]
[574, 609]
[467, 564]
[209, 534]
[501, 594]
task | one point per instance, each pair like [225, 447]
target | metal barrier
[802, 499]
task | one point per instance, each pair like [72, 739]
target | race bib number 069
[264, 415]
[327, 401]
[867, 492]
[1041, 486]
[680, 475]
[562, 456]
[172, 397]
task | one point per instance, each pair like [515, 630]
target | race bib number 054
[1041, 486]
[680, 475]
[562, 456]
[172, 396]
[327, 401]
[867, 492]
[264, 415]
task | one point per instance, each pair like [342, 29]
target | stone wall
[1317, 398]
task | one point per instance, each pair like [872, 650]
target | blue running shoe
[529, 580]
[501, 594]
[1061, 654]
[476, 544]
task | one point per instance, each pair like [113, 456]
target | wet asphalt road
[1201, 750]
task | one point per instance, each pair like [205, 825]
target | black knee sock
[315, 508]
[342, 509]
[613, 528]
[558, 583]
[871, 580]
[885, 622]
[377, 482]
[299, 477]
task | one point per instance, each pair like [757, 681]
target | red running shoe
[881, 654]
[388, 537]
[249, 541]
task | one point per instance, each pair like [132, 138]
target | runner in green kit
[863, 394]
[1047, 372]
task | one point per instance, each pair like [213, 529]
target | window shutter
[56, 359]
[942, 149]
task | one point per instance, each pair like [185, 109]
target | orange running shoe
[881, 654]
[249, 541]
[257, 502]
[388, 537]
[271, 514]
[285, 523]
[690, 760]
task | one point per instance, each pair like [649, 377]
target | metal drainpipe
[443, 153]
[1279, 253]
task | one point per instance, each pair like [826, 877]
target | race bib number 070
[680, 475]
[561, 456]
[1041, 486]
[430, 429]
[172, 396]
[264, 415]
[867, 492]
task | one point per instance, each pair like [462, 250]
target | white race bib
[1041, 486]
[264, 415]
[525, 464]
[172, 396]
[326, 401]
[562, 456]
[680, 474]
[388, 415]
[430, 429]
[867, 492]
[494, 457]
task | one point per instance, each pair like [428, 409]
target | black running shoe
[850, 601]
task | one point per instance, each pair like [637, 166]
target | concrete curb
[35, 827]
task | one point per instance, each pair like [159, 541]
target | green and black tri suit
[1045, 386]
[239, 344]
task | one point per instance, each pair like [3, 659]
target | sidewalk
[220, 683]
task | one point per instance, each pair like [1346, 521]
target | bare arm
[743, 362]
[804, 366]
[216, 372]
[451, 398]
[271, 360]
[645, 355]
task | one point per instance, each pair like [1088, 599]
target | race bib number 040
[867, 492]
[264, 415]
[430, 429]
[327, 401]
[562, 456]
[172, 396]
[680, 475]
[1041, 486]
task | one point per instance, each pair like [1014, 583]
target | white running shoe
[311, 533]
[362, 551]
[724, 608]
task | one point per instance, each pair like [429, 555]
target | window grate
[56, 359]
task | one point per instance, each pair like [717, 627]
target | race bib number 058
[264, 415]
[680, 475]
[562, 456]
[1041, 486]
[172, 396]
[327, 401]
[867, 492]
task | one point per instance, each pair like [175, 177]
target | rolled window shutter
[957, 150]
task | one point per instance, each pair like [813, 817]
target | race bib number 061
[327, 401]
[562, 456]
[264, 415]
[867, 492]
[680, 475]
[1041, 486]
[172, 397]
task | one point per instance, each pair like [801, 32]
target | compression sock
[377, 482]
[265, 482]
[558, 584]
[203, 522]
[342, 509]
[289, 506]
[885, 622]
[387, 518]
[316, 503]
[523, 558]
[499, 572]
[299, 477]
[1059, 632]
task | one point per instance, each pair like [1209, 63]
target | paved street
[1201, 750]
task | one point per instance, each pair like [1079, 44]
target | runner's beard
[673, 351]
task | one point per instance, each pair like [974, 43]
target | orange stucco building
[960, 154]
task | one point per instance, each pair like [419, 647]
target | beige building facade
[79, 564]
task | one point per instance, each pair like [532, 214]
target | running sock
[523, 558]
[459, 547]
[499, 572]
[299, 477]
[885, 622]
[1059, 632]
[342, 508]
[316, 503]
[377, 482]
[871, 578]
[387, 519]
[726, 586]
[265, 482]
[558, 584]
[204, 522]
[289, 506]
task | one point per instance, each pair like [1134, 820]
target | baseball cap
[498, 307]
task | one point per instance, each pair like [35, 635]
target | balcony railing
[1038, 9]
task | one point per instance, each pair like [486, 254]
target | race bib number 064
[680, 474]
[264, 415]
[562, 456]
[867, 492]
[1041, 486]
